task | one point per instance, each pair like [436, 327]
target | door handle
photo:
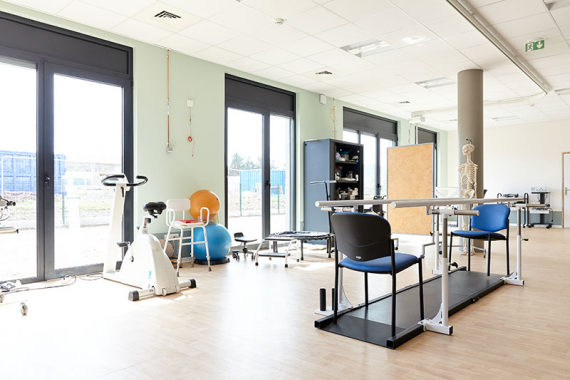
[47, 179]
[267, 183]
[565, 191]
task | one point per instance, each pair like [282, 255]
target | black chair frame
[392, 272]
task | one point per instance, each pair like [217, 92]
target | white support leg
[438, 265]
[516, 277]
[440, 324]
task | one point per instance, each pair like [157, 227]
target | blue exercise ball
[219, 242]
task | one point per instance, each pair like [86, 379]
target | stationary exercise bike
[145, 264]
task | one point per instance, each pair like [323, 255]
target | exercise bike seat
[154, 207]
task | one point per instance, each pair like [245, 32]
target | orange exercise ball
[204, 198]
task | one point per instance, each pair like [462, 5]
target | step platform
[372, 325]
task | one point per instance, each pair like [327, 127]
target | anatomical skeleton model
[468, 174]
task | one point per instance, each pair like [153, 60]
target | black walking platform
[373, 325]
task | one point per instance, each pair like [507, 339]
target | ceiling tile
[466, 39]
[344, 35]
[352, 98]
[526, 25]
[52, 6]
[509, 10]
[274, 73]
[141, 31]
[281, 9]
[217, 55]
[450, 26]
[387, 21]
[244, 45]
[487, 51]
[91, 15]
[356, 65]
[451, 69]
[566, 31]
[201, 8]
[561, 13]
[248, 65]
[298, 80]
[239, 17]
[546, 62]
[389, 57]
[318, 87]
[301, 65]
[356, 9]
[561, 69]
[331, 57]
[125, 7]
[278, 35]
[338, 92]
[425, 10]
[208, 32]
[182, 44]
[275, 56]
[434, 49]
[307, 46]
[316, 20]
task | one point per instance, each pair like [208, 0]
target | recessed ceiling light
[412, 40]
[438, 82]
[366, 48]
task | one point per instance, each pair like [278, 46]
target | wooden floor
[247, 322]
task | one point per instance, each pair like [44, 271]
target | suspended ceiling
[425, 40]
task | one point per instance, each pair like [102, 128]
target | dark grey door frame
[266, 155]
[73, 61]
[50, 70]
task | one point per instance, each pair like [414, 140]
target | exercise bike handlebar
[107, 180]
[142, 182]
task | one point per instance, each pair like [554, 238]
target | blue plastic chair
[366, 241]
[491, 218]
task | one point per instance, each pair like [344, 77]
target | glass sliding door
[260, 167]
[245, 179]
[18, 159]
[375, 161]
[281, 163]
[371, 184]
[384, 145]
[88, 129]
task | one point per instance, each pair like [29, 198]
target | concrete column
[470, 119]
[470, 125]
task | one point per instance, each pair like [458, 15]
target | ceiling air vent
[324, 72]
[165, 14]
[404, 102]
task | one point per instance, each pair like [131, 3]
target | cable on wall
[168, 148]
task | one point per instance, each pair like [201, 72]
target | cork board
[410, 176]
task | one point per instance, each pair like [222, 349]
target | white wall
[518, 157]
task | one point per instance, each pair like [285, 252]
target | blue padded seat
[381, 265]
[479, 234]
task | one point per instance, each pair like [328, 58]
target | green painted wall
[178, 174]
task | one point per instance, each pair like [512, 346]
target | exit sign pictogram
[534, 45]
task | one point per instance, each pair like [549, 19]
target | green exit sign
[534, 45]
